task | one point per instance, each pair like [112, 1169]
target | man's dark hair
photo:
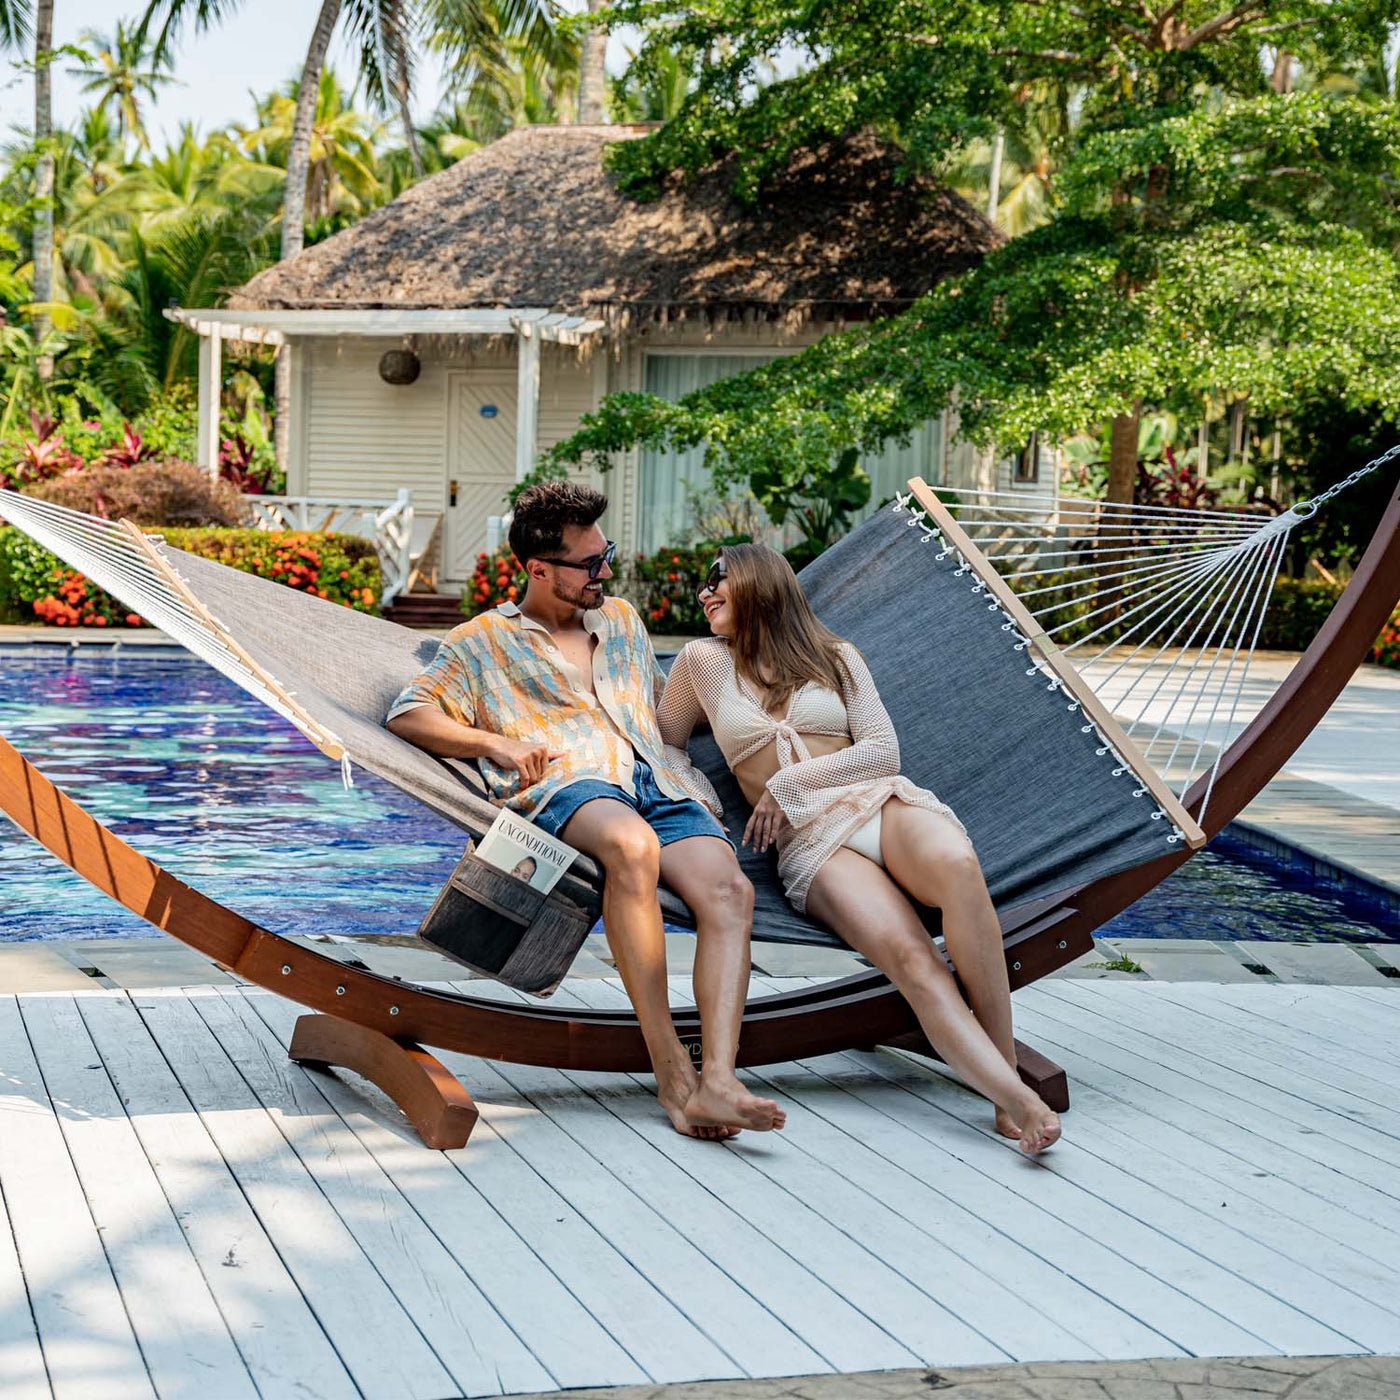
[543, 511]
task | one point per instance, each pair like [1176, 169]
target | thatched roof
[534, 220]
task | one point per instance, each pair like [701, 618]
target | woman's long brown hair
[778, 642]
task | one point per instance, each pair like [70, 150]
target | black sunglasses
[595, 563]
[719, 571]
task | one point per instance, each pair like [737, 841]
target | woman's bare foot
[1006, 1124]
[674, 1091]
[1039, 1125]
[726, 1104]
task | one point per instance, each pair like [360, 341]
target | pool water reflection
[229, 798]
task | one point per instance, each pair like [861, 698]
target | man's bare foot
[1040, 1127]
[727, 1104]
[674, 1091]
[1006, 1124]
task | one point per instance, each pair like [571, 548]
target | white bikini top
[704, 684]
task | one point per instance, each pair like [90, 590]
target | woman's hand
[767, 823]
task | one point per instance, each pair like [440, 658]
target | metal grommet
[393, 1011]
[1016, 967]
[1062, 943]
[286, 969]
[340, 991]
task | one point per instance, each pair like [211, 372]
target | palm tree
[506, 60]
[342, 177]
[656, 94]
[18, 19]
[115, 73]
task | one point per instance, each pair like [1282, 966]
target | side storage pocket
[498, 926]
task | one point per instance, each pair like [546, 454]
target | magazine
[523, 850]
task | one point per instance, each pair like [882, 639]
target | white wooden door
[480, 461]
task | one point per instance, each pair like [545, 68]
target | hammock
[979, 672]
[997, 711]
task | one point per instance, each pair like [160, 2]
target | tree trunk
[294, 201]
[1282, 78]
[410, 134]
[1122, 456]
[994, 177]
[592, 72]
[43, 176]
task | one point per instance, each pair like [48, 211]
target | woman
[798, 718]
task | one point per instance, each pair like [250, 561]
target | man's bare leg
[703, 870]
[627, 849]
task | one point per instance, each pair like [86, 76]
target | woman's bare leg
[704, 871]
[931, 858]
[865, 906]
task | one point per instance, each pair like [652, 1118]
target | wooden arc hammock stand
[378, 1026]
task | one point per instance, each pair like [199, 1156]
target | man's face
[573, 586]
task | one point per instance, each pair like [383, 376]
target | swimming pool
[231, 799]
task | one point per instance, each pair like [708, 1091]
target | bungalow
[445, 340]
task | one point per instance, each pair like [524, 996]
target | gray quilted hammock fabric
[1043, 808]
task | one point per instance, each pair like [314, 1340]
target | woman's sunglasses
[719, 571]
[595, 563]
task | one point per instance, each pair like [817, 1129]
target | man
[556, 700]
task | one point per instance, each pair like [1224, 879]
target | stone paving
[1287, 1378]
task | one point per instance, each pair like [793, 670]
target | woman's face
[718, 609]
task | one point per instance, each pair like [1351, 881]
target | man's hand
[767, 823]
[521, 756]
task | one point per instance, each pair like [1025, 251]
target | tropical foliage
[139, 225]
[1199, 229]
[339, 568]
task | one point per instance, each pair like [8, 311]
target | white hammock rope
[1158, 609]
[130, 565]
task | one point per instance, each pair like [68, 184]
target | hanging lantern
[399, 367]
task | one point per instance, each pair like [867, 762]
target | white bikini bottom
[865, 840]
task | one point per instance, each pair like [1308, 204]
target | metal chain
[1313, 504]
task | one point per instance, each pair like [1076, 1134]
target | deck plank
[1310, 1313]
[183, 1338]
[1345, 1056]
[279, 1336]
[1316, 1075]
[1246, 1187]
[1132, 1075]
[676, 1267]
[566, 1338]
[1357, 1150]
[376, 1339]
[465, 1332]
[1226, 1186]
[1198, 1304]
[21, 1356]
[89, 1347]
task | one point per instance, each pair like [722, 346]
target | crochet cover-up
[827, 797]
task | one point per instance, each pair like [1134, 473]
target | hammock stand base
[856, 1012]
[430, 1096]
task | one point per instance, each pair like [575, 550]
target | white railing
[388, 523]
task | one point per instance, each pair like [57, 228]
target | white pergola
[531, 326]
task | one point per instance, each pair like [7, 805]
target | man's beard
[587, 596]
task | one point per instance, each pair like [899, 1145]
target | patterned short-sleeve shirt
[503, 672]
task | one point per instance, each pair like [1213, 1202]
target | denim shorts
[671, 819]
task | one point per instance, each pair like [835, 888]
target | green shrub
[497, 578]
[339, 568]
[149, 494]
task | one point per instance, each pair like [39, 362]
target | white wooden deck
[191, 1215]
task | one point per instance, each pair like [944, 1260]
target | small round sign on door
[489, 410]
